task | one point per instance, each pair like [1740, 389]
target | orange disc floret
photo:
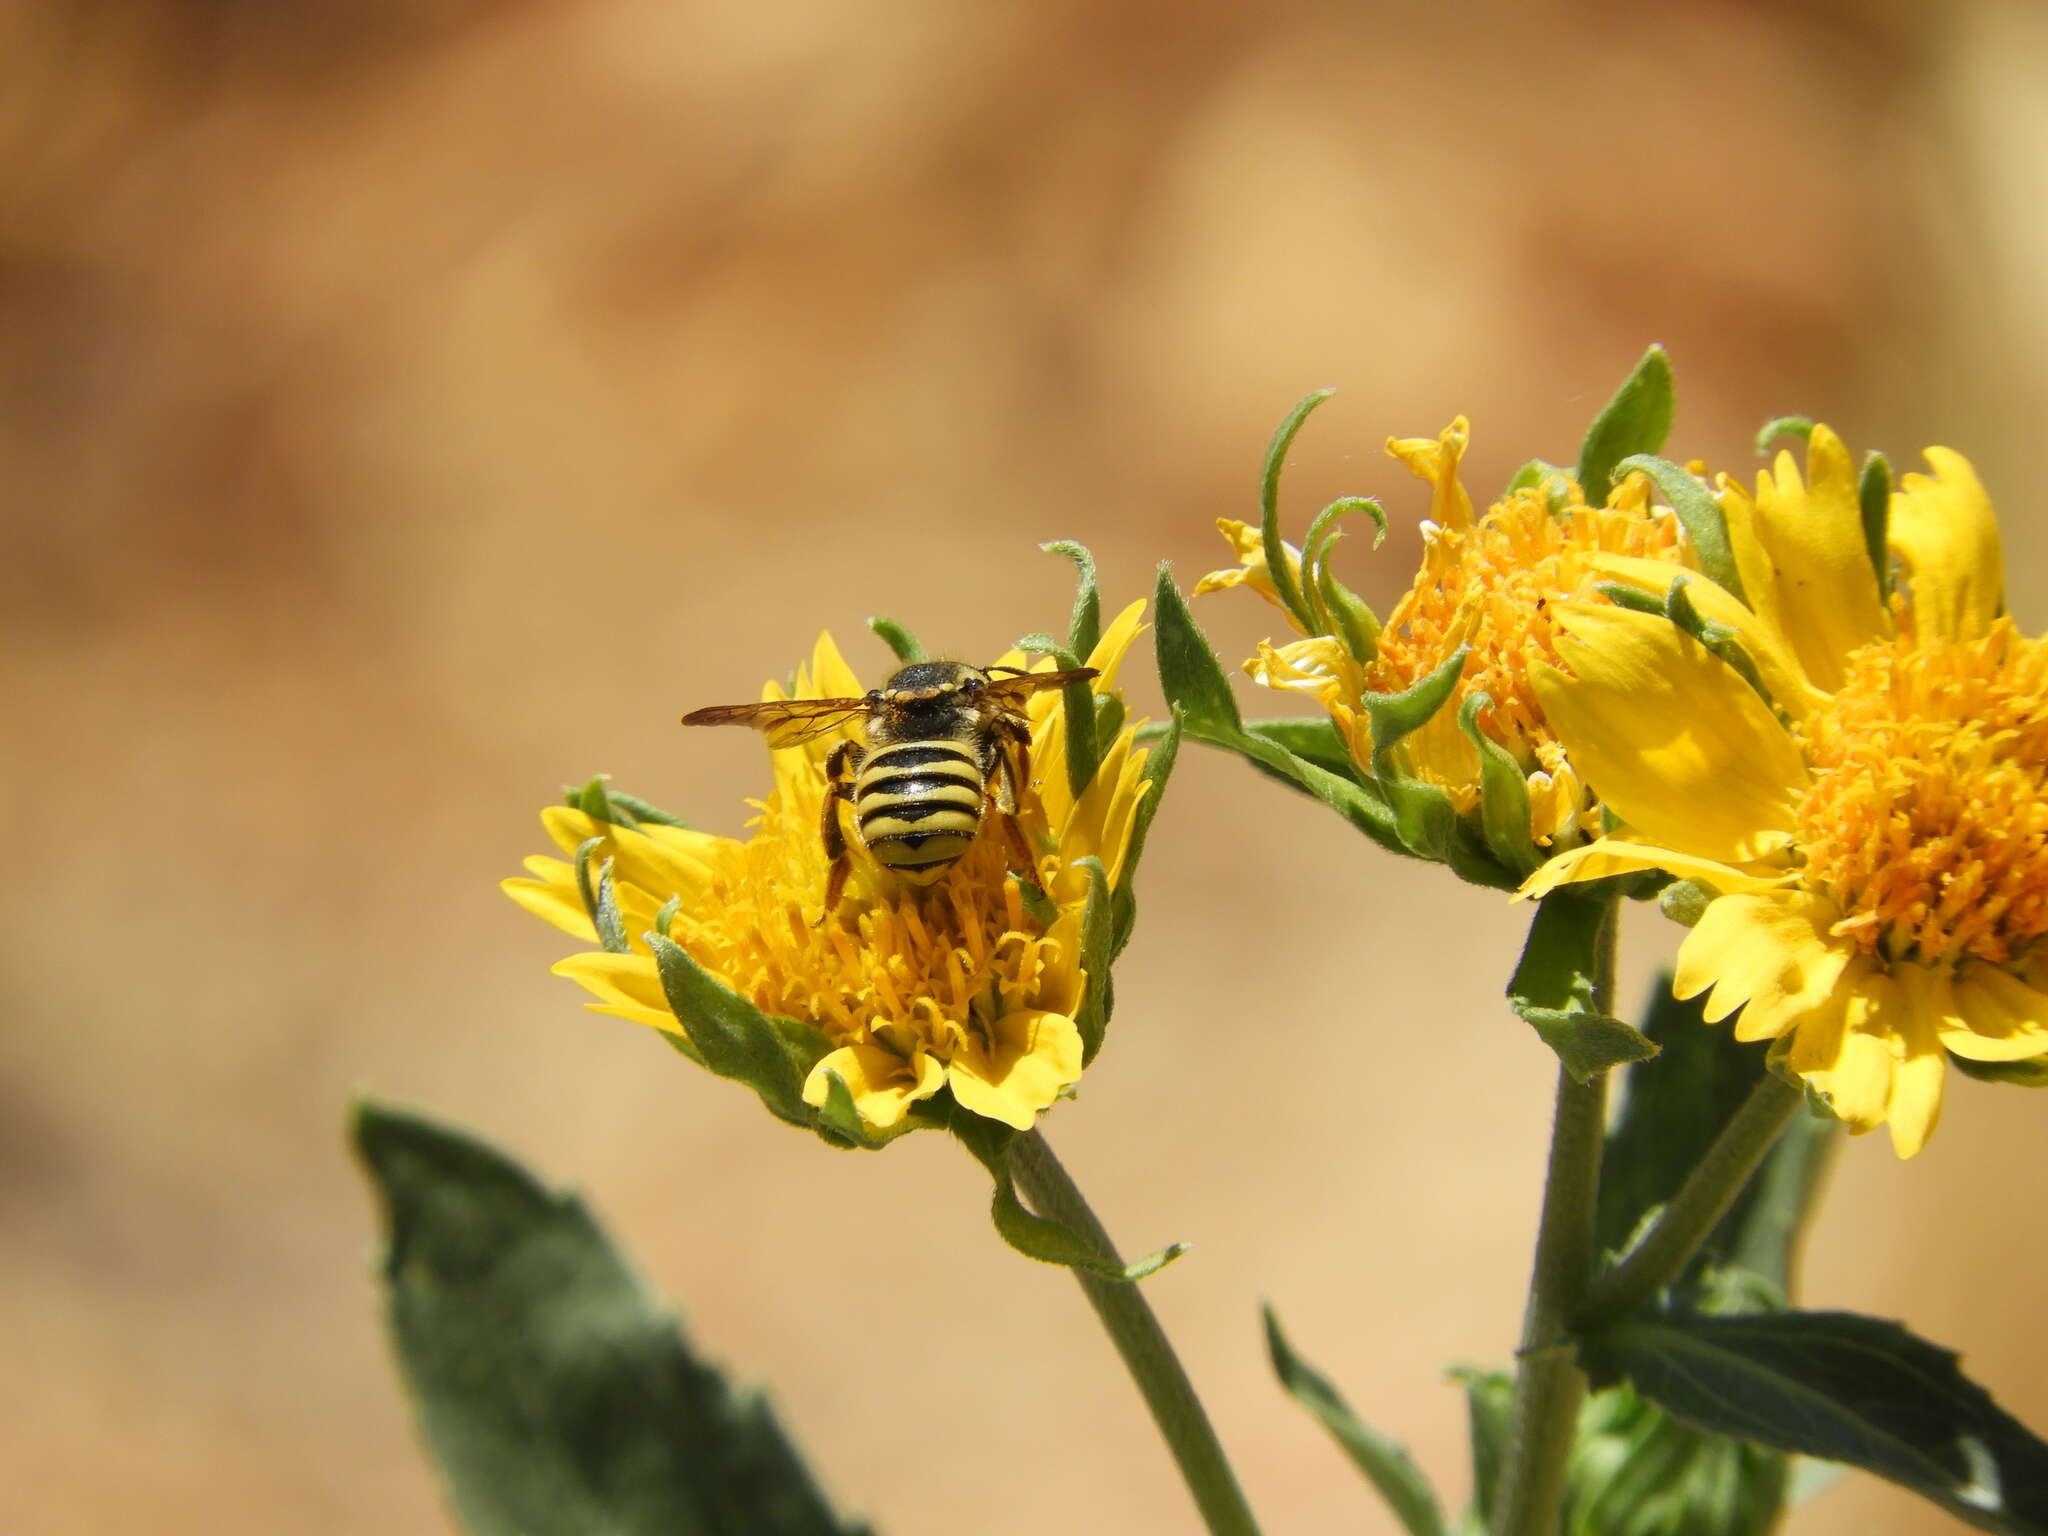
[1927, 821]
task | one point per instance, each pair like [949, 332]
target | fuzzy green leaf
[1874, 494]
[1097, 937]
[1386, 1462]
[1158, 769]
[1037, 1237]
[1313, 739]
[1394, 715]
[1503, 794]
[1284, 583]
[900, 641]
[1800, 427]
[1844, 1388]
[1697, 512]
[1193, 678]
[1551, 479]
[640, 810]
[1553, 989]
[1085, 629]
[1636, 420]
[737, 1040]
[2031, 1073]
[551, 1390]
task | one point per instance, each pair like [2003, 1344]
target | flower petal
[1804, 562]
[1621, 856]
[1943, 529]
[658, 869]
[1845, 1051]
[1435, 459]
[1669, 736]
[1919, 1074]
[1034, 1054]
[883, 1084]
[1767, 954]
[1991, 1015]
[552, 900]
[611, 978]
[1776, 666]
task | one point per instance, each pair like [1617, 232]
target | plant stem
[1704, 1199]
[1128, 1319]
[1549, 1385]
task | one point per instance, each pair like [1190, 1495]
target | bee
[943, 740]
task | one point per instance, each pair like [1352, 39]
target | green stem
[1128, 1319]
[1703, 1200]
[1529, 1498]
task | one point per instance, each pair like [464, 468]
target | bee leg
[1013, 772]
[839, 770]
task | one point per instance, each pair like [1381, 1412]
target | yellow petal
[658, 869]
[1814, 581]
[1776, 666]
[1943, 530]
[1852, 1057]
[1033, 1056]
[1991, 1015]
[1620, 856]
[1669, 736]
[551, 902]
[1252, 569]
[1436, 460]
[1918, 1076]
[1768, 954]
[883, 1084]
[1115, 642]
[624, 979]
[831, 677]
[653, 1018]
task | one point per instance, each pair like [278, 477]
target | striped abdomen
[918, 805]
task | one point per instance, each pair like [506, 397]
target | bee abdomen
[918, 805]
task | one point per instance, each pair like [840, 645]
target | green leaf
[1554, 988]
[1874, 493]
[899, 640]
[1097, 934]
[1503, 793]
[2031, 1073]
[1158, 769]
[1284, 582]
[1188, 669]
[1636, 420]
[1844, 1388]
[1359, 801]
[1395, 715]
[1489, 1415]
[1553, 480]
[1085, 629]
[1399, 1481]
[1336, 609]
[1636, 1471]
[554, 1395]
[640, 810]
[1038, 1237]
[1034, 1236]
[591, 799]
[1313, 739]
[1698, 513]
[602, 903]
[1800, 427]
[737, 1040]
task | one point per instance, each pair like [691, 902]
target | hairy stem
[1132, 1328]
[1704, 1199]
[1548, 1383]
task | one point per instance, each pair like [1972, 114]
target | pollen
[897, 965]
[1927, 823]
[1490, 586]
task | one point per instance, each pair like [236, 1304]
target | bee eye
[975, 684]
[874, 695]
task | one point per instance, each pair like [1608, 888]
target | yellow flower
[1487, 583]
[1875, 833]
[969, 984]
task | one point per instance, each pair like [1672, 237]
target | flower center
[1490, 587]
[899, 965]
[1927, 823]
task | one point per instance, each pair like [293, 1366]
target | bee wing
[785, 722]
[1011, 692]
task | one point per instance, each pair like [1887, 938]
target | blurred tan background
[408, 407]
